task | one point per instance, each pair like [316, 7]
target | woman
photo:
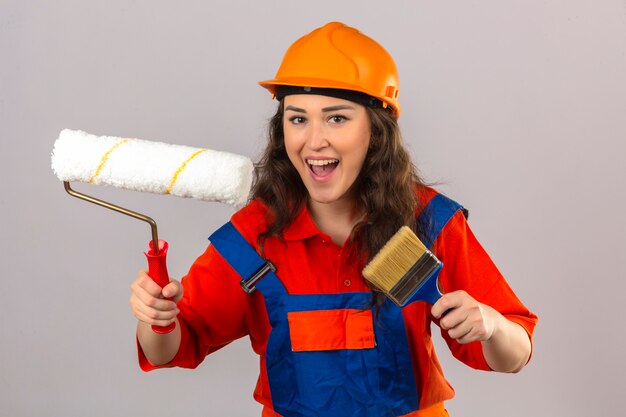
[334, 184]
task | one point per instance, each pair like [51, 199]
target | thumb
[173, 290]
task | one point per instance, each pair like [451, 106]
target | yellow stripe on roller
[105, 158]
[180, 169]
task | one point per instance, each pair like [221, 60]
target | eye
[337, 118]
[296, 120]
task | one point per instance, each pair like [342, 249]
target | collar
[302, 227]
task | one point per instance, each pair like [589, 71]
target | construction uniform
[324, 350]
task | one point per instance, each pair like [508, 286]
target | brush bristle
[394, 259]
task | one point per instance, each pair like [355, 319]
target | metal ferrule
[414, 278]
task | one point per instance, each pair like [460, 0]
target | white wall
[516, 108]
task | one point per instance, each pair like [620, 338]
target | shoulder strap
[245, 260]
[435, 216]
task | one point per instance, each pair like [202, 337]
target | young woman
[334, 184]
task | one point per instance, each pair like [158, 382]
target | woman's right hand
[149, 301]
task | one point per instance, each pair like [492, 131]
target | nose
[317, 137]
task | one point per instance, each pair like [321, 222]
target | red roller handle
[157, 270]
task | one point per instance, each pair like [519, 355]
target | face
[326, 140]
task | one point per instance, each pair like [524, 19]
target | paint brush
[404, 269]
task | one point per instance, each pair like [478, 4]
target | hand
[148, 300]
[466, 319]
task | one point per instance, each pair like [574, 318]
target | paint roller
[148, 166]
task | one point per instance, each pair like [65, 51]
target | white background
[516, 108]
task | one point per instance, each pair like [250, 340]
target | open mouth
[322, 167]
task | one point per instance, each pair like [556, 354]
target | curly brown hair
[386, 187]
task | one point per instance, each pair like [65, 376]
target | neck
[336, 219]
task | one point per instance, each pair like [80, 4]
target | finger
[138, 306]
[446, 302]
[468, 338]
[481, 320]
[144, 281]
[475, 327]
[145, 298]
[461, 330]
[453, 318]
[439, 307]
[153, 321]
[471, 336]
[173, 290]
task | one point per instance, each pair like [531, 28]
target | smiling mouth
[322, 167]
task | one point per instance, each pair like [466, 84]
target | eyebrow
[324, 110]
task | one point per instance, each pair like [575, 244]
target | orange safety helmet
[337, 56]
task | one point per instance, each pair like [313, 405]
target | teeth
[321, 162]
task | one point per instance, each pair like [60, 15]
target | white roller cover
[155, 167]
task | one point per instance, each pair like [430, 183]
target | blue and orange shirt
[216, 311]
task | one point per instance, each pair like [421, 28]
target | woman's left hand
[506, 345]
[466, 319]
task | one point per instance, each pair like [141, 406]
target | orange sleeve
[467, 266]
